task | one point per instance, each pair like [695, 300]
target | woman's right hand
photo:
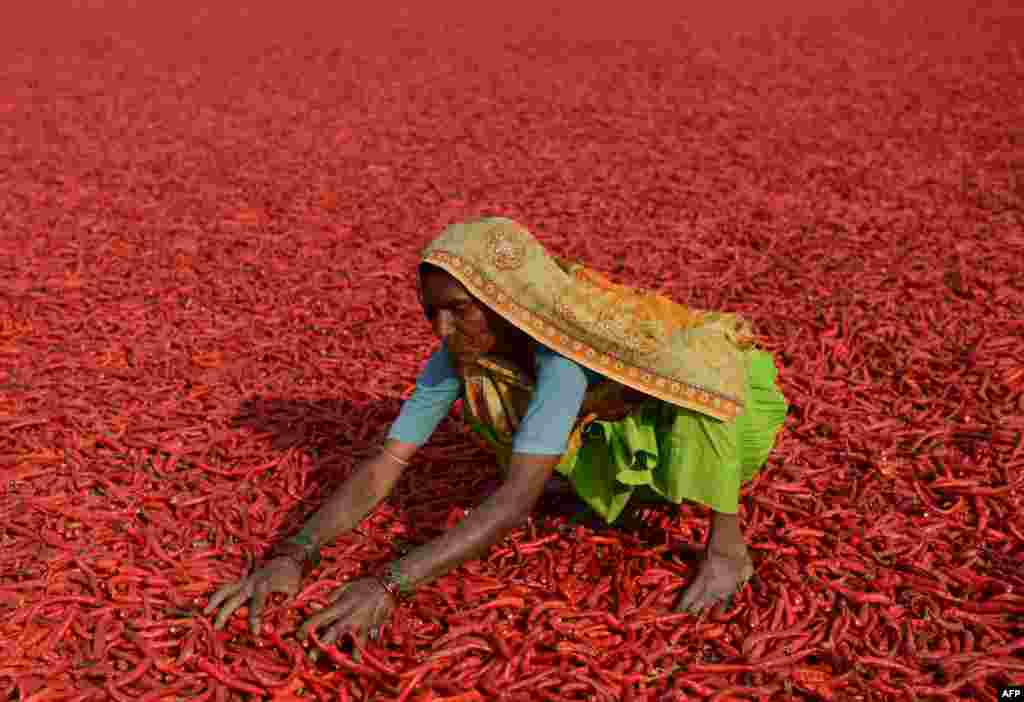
[279, 575]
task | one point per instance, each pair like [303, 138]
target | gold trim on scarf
[689, 358]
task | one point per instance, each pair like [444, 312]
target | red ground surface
[209, 219]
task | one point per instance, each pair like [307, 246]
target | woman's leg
[725, 567]
[727, 564]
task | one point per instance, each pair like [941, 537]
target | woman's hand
[361, 607]
[279, 575]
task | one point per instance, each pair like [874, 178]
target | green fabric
[670, 453]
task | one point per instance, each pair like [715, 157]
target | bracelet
[403, 462]
[393, 582]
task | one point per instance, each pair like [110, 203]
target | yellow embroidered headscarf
[691, 358]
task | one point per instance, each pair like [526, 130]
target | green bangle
[394, 582]
[312, 550]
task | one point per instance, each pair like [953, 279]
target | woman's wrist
[297, 558]
[299, 548]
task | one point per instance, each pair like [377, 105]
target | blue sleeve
[554, 406]
[437, 388]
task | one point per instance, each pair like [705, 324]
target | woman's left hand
[361, 608]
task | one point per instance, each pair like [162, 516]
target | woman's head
[469, 327]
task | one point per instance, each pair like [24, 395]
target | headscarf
[687, 357]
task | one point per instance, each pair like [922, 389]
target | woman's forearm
[480, 530]
[371, 482]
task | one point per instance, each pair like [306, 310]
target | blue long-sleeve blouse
[550, 416]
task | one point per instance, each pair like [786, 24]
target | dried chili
[174, 398]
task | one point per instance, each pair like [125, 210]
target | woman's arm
[484, 526]
[372, 481]
[554, 407]
[363, 605]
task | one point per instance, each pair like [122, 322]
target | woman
[623, 392]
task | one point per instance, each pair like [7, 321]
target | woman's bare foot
[719, 577]
[725, 568]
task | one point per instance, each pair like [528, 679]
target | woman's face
[469, 327]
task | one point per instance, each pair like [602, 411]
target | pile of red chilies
[143, 466]
[880, 583]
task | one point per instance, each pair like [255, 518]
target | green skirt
[665, 452]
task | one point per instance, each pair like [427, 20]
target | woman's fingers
[691, 596]
[328, 614]
[336, 595]
[221, 595]
[322, 618]
[257, 586]
[259, 599]
[332, 635]
[231, 605]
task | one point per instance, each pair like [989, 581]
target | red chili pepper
[264, 680]
[414, 683]
[782, 611]
[136, 674]
[459, 632]
[222, 676]
[523, 659]
[860, 597]
[697, 687]
[455, 651]
[372, 659]
[512, 602]
[546, 606]
[892, 665]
